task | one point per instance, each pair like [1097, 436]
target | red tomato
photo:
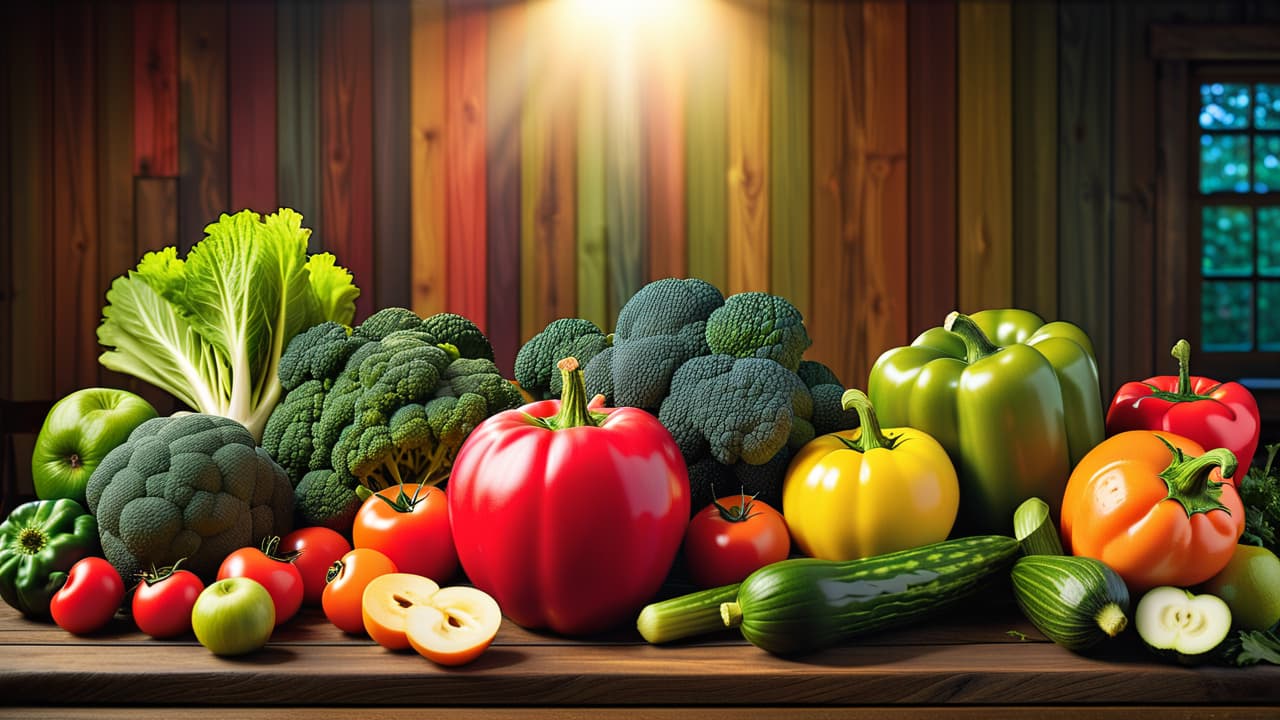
[276, 573]
[410, 525]
[317, 548]
[90, 597]
[163, 601]
[344, 594]
[732, 538]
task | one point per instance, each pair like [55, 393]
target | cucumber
[685, 616]
[1076, 602]
[802, 605]
[1171, 619]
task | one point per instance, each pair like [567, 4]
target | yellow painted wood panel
[707, 162]
[985, 155]
[427, 164]
[748, 130]
[593, 283]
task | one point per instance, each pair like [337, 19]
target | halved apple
[455, 627]
[386, 603]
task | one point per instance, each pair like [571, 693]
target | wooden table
[972, 665]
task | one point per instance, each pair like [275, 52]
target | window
[1236, 212]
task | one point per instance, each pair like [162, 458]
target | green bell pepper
[39, 543]
[1014, 401]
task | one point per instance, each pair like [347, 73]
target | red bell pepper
[1214, 414]
[569, 518]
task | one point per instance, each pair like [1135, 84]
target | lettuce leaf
[210, 329]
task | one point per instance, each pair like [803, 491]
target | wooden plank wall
[879, 162]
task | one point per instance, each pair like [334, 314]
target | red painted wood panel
[931, 176]
[251, 71]
[664, 106]
[202, 117]
[465, 170]
[155, 88]
[346, 141]
[75, 219]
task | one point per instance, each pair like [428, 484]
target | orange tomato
[1154, 507]
[343, 596]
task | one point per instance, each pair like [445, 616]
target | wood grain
[346, 141]
[1172, 249]
[427, 165]
[931, 175]
[707, 153]
[298, 113]
[1035, 158]
[1254, 42]
[1084, 175]
[392, 153]
[155, 222]
[465, 127]
[251, 78]
[592, 212]
[790, 192]
[625, 201]
[664, 76]
[505, 86]
[75, 306]
[548, 125]
[203, 152]
[748, 131]
[985, 156]
[11, 16]
[155, 88]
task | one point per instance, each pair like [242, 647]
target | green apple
[78, 432]
[233, 616]
[1250, 586]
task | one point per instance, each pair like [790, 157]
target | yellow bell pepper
[864, 492]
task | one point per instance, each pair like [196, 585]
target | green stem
[1182, 351]
[1188, 478]
[1111, 619]
[976, 343]
[872, 437]
[573, 398]
[731, 614]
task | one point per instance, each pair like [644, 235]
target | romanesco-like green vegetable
[535, 368]
[756, 324]
[192, 486]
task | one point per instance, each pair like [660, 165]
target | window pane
[1269, 242]
[1224, 106]
[1228, 242]
[1224, 163]
[1269, 316]
[1226, 316]
[1266, 164]
[1266, 112]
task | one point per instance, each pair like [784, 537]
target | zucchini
[1174, 620]
[1076, 602]
[685, 616]
[1034, 528]
[802, 605]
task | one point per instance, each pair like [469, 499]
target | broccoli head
[736, 409]
[316, 354]
[195, 487]
[659, 328]
[829, 414]
[567, 337]
[327, 500]
[456, 330]
[756, 324]
[710, 479]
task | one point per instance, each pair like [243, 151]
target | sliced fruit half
[386, 603]
[456, 627]
[1173, 619]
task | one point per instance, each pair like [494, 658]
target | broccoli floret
[325, 499]
[814, 373]
[459, 332]
[736, 409]
[288, 435]
[567, 337]
[829, 414]
[756, 324]
[194, 487]
[659, 328]
[480, 377]
[386, 321]
[317, 354]
[710, 479]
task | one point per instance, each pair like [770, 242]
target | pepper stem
[573, 398]
[1182, 351]
[976, 343]
[872, 437]
[1188, 478]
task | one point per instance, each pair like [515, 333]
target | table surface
[980, 662]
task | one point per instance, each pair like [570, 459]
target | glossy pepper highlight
[1214, 414]
[1154, 507]
[39, 543]
[1014, 401]
[569, 517]
[869, 491]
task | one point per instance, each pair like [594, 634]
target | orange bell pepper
[1154, 507]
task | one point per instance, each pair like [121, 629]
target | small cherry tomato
[732, 538]
[89, 599]
[274, 571]
[317, 548]
[410, 525]
[163, 600]
[344, 595]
